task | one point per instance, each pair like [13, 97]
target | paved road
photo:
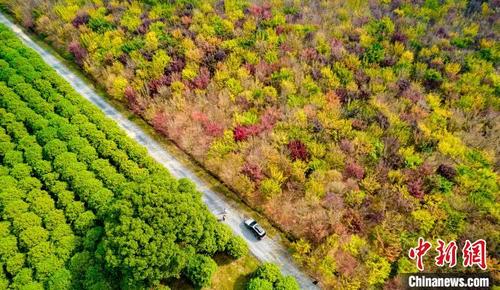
[267, 250]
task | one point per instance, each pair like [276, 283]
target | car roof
[259, 228]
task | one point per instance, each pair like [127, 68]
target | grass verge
[230, 275]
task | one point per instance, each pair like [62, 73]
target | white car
[255, 228]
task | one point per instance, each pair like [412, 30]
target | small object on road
[223, 215]
[255, 228]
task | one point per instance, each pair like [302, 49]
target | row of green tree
[132, 221]
[36, 239]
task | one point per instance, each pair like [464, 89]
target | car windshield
[259, 229]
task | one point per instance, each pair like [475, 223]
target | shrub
[155, 85]
[133, 100]
[199, 270]
[54, 148]
[433, 78]
[237, 247]
[354, 170]
[32, 237]
[15, 263]
[424, 220]
[374, 54]
[242, 132]
[446, 171]
[259, 284]
[160, 123]
[223, 234]
[268, 276]
[415, 187]
[100, 25]
[21, 171]
[213, 129]
[298, 150]
[269, 272]
[203, 79]
[78, 52]
[379, 269]
[60, 280]
[270, 188]
[253, 171]
[286, 283]
[80, 19]
[12, 158]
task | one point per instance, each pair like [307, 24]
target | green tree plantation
[81, 205]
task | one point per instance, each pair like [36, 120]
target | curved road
[266, 250]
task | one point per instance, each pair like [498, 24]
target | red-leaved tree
[160, 122]
[263, 11]
[243, 132]
[78, 52]
[447, 171]
[354, 170]
[213, 129]
[268, 119]
[203, 79]
[253, 171]
[80, 19]
[416, 187]
[155, 85]
[298, 150]
[133, 101]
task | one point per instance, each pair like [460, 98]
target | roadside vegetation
[356, 126]
[82, 206]
[269, 277]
